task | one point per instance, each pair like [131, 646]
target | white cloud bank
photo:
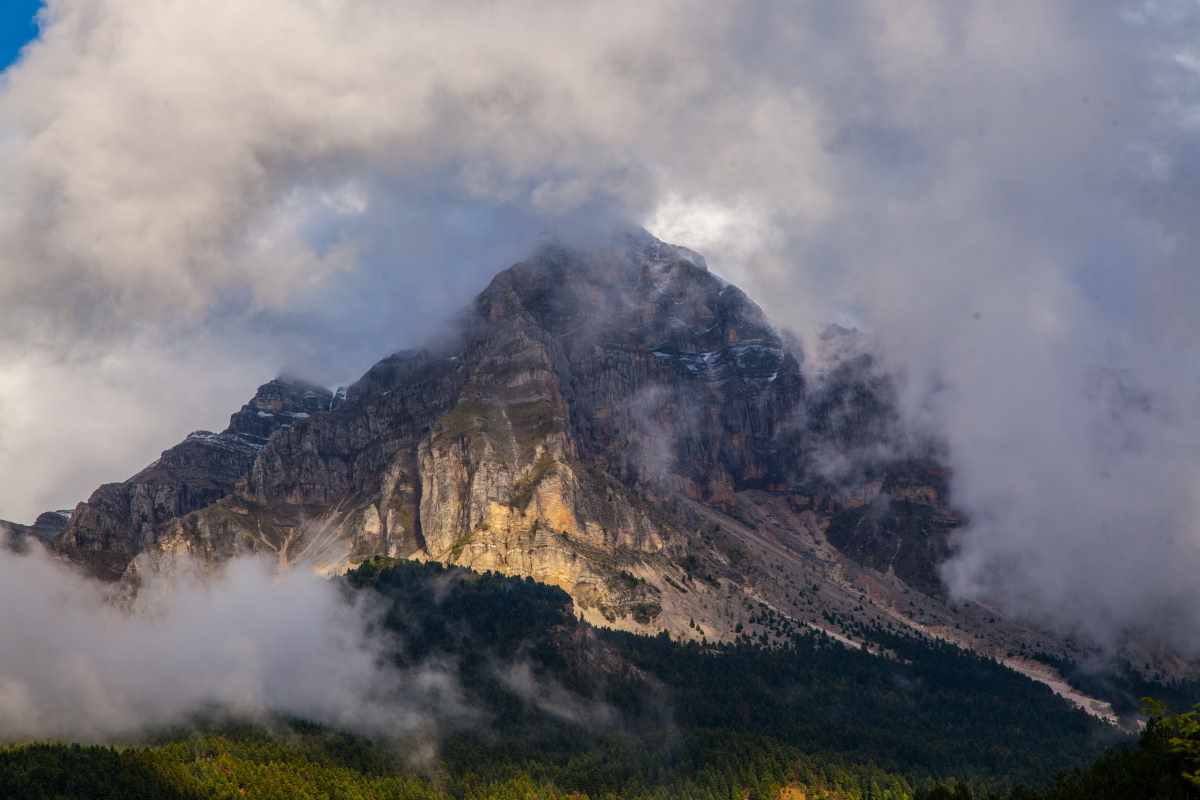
[1003, 193]
[251, 642]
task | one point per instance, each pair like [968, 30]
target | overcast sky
[194, 196]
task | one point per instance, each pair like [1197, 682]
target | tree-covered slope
[558, 708]
[922, 709]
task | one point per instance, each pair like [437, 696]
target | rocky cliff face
[121, 520]
[45, 529]
[620, 423]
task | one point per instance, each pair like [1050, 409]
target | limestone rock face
[620, 422]
[121, 520]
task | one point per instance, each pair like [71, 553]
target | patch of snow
[226, 441]
[751, 359]
[253, 442]
[746, 347]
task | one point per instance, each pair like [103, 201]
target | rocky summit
[618, 422]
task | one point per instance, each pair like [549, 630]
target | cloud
[72, 420]
[300, 185]
[1001, 194]
[250, 642]
[550, 697]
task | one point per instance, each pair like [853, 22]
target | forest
[565, 710]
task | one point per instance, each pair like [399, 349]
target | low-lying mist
[249, 643]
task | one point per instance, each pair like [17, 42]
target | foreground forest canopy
[614, 715]
[308, 764]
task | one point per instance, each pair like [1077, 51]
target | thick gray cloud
[1000, 193]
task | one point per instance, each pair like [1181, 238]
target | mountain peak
[618, 422]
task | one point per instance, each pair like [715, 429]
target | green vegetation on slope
[924, 711]
[307, 763]
[297, 767]
[1164, 765]
[1125, 687]
[565, 710]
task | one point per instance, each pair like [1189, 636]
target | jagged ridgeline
[562, 709]
[620, 423]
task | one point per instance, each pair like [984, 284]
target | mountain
[121, 520]
[617, 422]
[46, 529]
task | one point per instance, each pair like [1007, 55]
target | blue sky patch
[17, 28]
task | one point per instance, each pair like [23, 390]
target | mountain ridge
[618, 422]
